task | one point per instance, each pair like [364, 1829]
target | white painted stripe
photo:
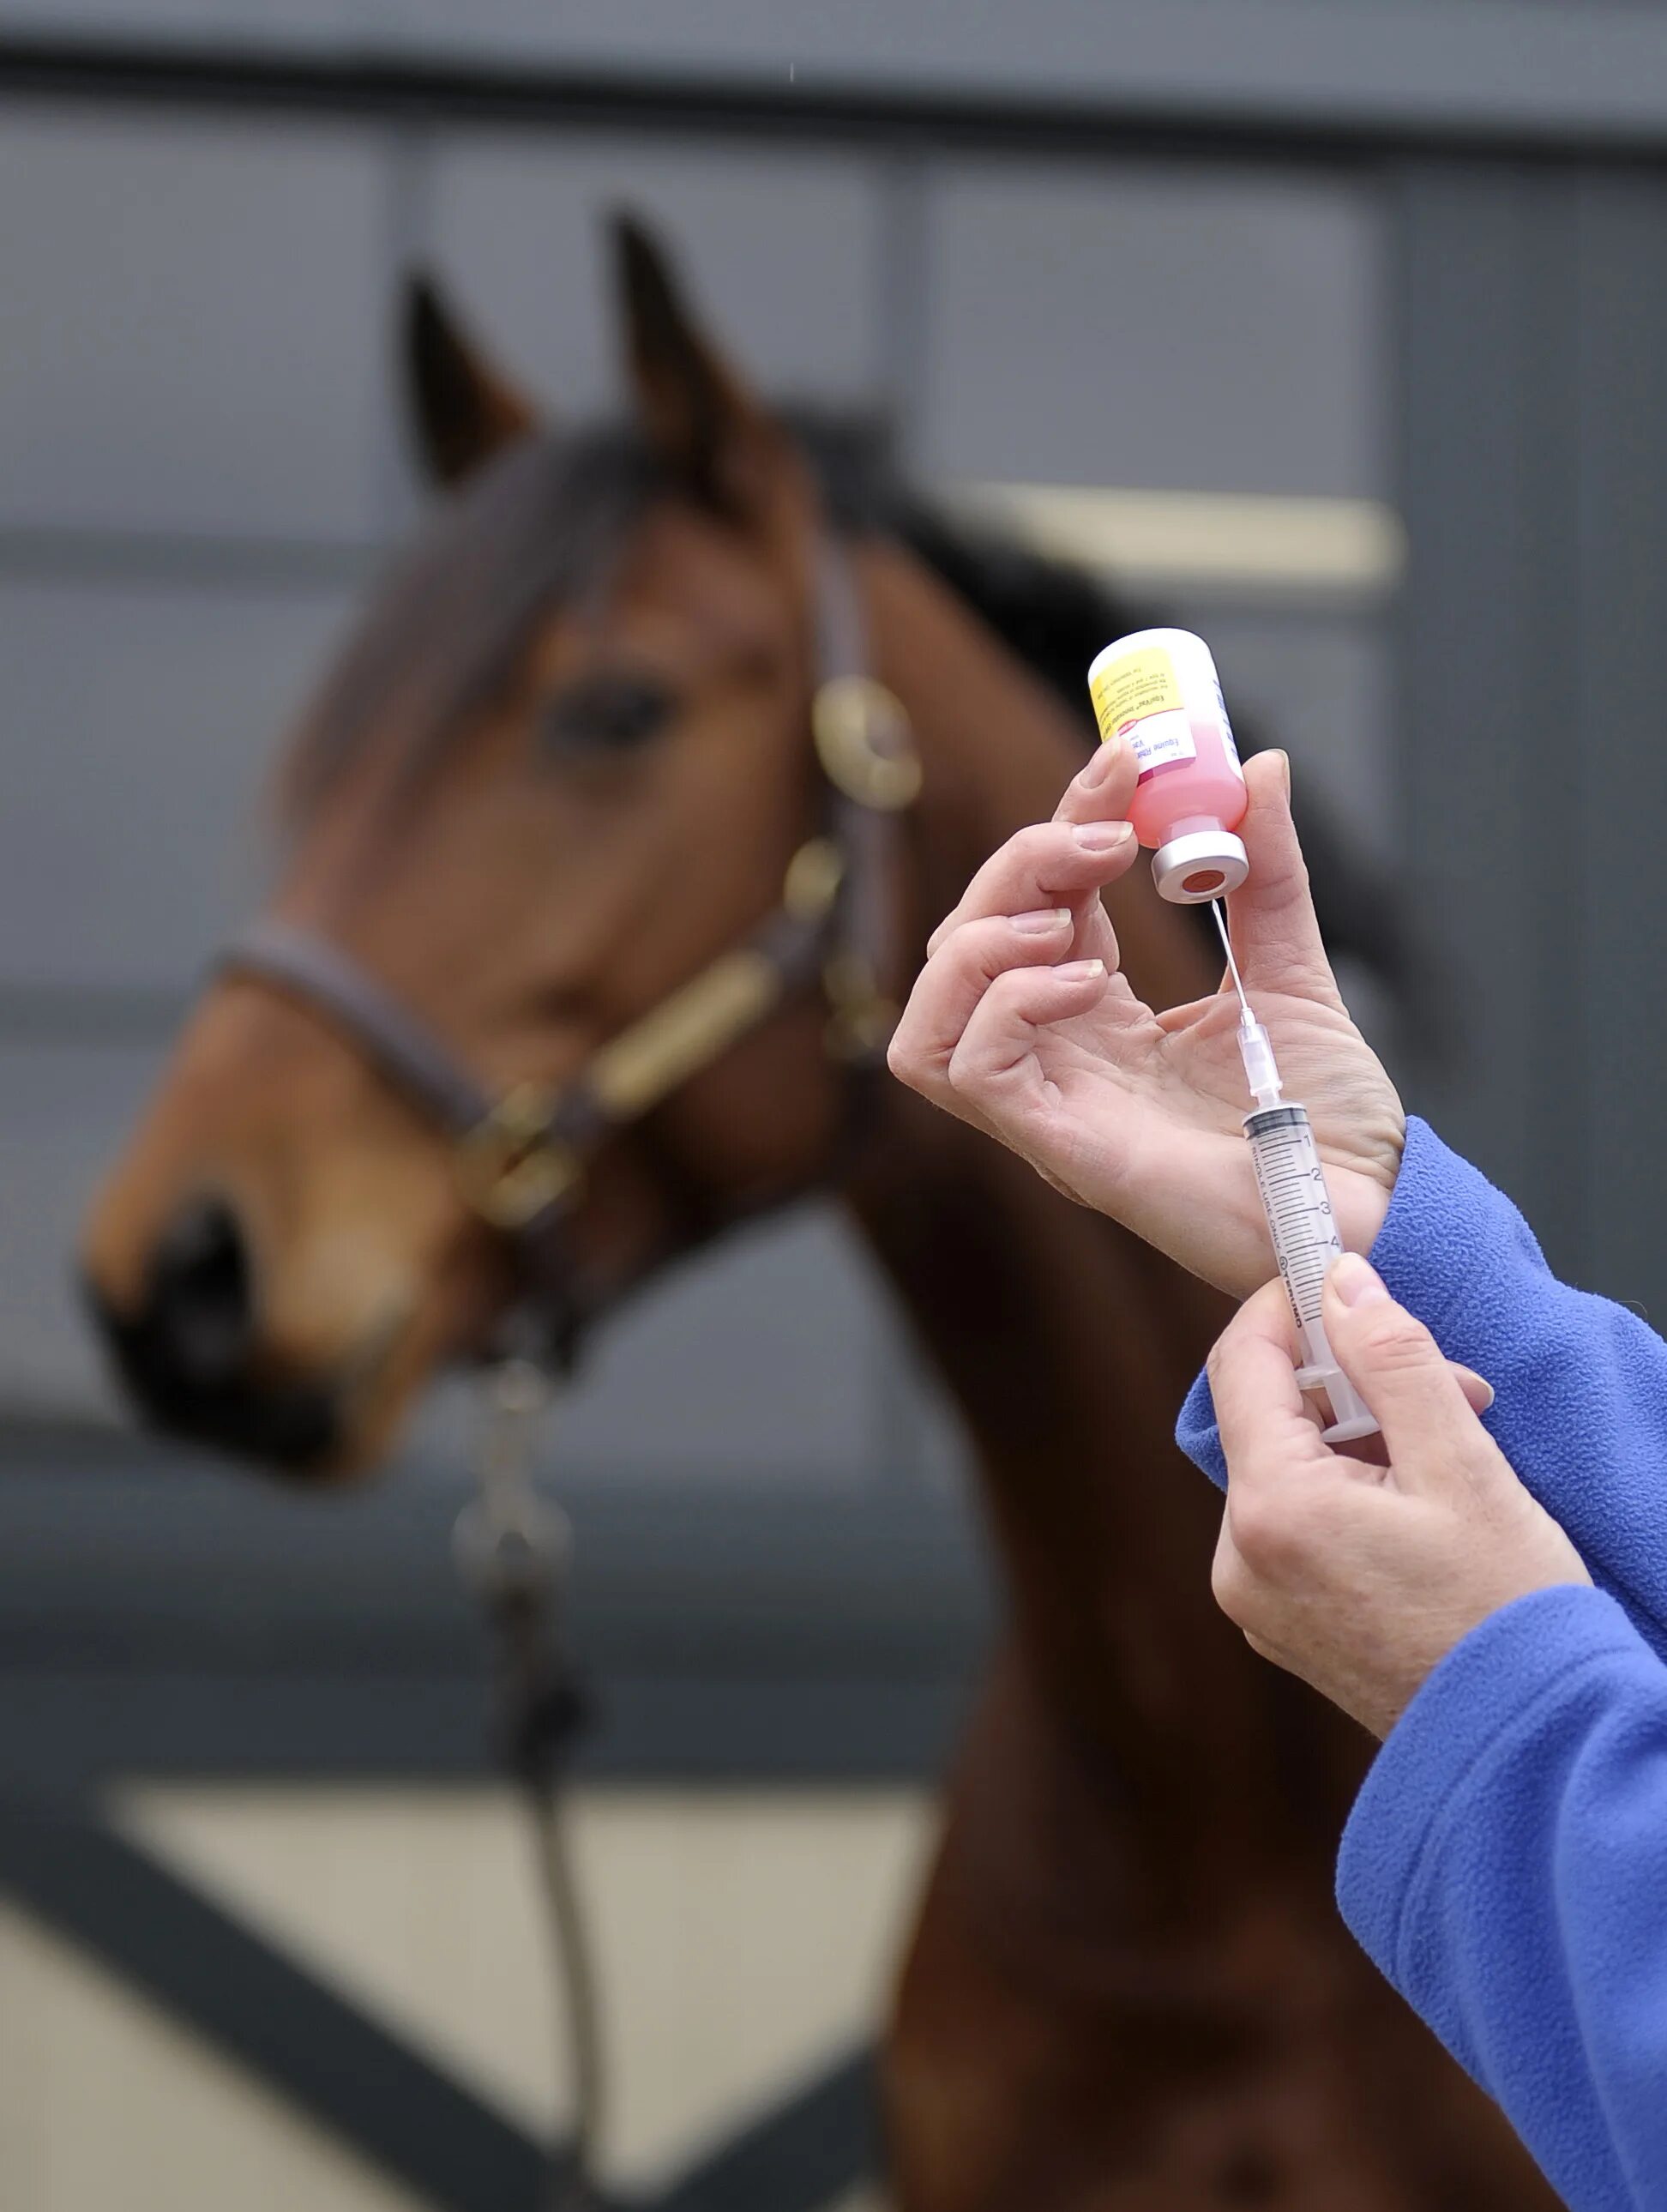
[1351, 547]
[745, 1938]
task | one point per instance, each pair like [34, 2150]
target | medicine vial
[1158, 690]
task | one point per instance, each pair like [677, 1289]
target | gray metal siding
[1491, 65]
[193, 325]
[1145, 324]
[782, 252]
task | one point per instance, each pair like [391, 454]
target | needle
[1215, 908]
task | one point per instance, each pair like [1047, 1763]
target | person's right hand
[1358, 1573]
[1020, 1023]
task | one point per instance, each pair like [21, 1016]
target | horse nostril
[201, 1302]
[188, 1351]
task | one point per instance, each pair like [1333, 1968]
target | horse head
[561, 768]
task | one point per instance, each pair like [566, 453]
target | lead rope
[512, 1548]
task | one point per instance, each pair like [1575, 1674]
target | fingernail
[1103, 836]
[1284, 760]
[1356, 1281]
[1100, 763]
[1042, 921]
[1080, 971]
[1481, 1381]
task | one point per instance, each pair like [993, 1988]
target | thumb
[1102, 790]
[1430, 1431]
[1274, 932]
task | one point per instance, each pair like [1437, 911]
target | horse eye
[605, 713]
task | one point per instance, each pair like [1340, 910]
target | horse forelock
[545, 520]
[537, 527]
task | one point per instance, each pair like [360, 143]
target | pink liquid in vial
[1182, 796]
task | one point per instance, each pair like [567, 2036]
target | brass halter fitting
[861, 1016]
[813, 879]
[864, 743]
[511, 1169]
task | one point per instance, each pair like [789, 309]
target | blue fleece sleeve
[1581, 1409]
[1506, 1866]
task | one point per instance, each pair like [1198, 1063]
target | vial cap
[1205, 863]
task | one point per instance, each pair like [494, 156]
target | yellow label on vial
[1141, 683]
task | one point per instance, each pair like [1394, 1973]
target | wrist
[1362, 1205]
[1363, 1190]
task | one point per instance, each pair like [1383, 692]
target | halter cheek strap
[521, 1157]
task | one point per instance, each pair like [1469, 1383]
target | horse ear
[717, 438]
[463, 410]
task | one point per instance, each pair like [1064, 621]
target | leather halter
[521, 1157]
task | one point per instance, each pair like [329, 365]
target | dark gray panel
[1486, 710]
[194, 318]
[139, 723]
[778, 248]
[120, 1552]
[1617, 757]
[162, 1615]
[1529, 66]
[1150, 326]
[762, 1363]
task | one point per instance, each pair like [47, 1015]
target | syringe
[1305, 1235]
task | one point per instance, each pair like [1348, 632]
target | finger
[1050, 864]
[1259, 1409]
[995, 1065]
[1102, 790]
[1373, 1452]
[1271, 915]
[949, 988]
[1194, 1010]
[1479, 1392]
[1429, 1427]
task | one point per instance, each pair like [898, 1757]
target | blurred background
[1338, 333]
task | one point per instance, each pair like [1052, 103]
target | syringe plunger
[1351, 1416]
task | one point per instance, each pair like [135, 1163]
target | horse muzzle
[189, 1354]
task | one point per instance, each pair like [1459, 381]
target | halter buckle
[865, 744]
[511, 1167]
[509, 1539]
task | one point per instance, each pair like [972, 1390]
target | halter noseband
[522, 1157]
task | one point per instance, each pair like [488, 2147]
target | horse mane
[1056, 616]
[545, 522]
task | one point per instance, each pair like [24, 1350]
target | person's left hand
[1356, 1575]
[1023, 1023]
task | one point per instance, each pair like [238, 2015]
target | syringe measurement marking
[1305, 1235]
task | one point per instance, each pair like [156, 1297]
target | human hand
[1356, 1575]
[1021, 1025]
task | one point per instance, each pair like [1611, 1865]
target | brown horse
[562, 770]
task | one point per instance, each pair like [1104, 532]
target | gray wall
[1460, 67]
[1401, 250]
[201, 456]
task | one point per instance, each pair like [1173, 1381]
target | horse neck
[1066, 1343]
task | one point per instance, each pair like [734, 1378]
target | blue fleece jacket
[1506, 1863]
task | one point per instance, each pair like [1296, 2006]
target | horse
[612, 840]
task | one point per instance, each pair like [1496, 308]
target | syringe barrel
[1292, 1183]
[1295, 1198]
